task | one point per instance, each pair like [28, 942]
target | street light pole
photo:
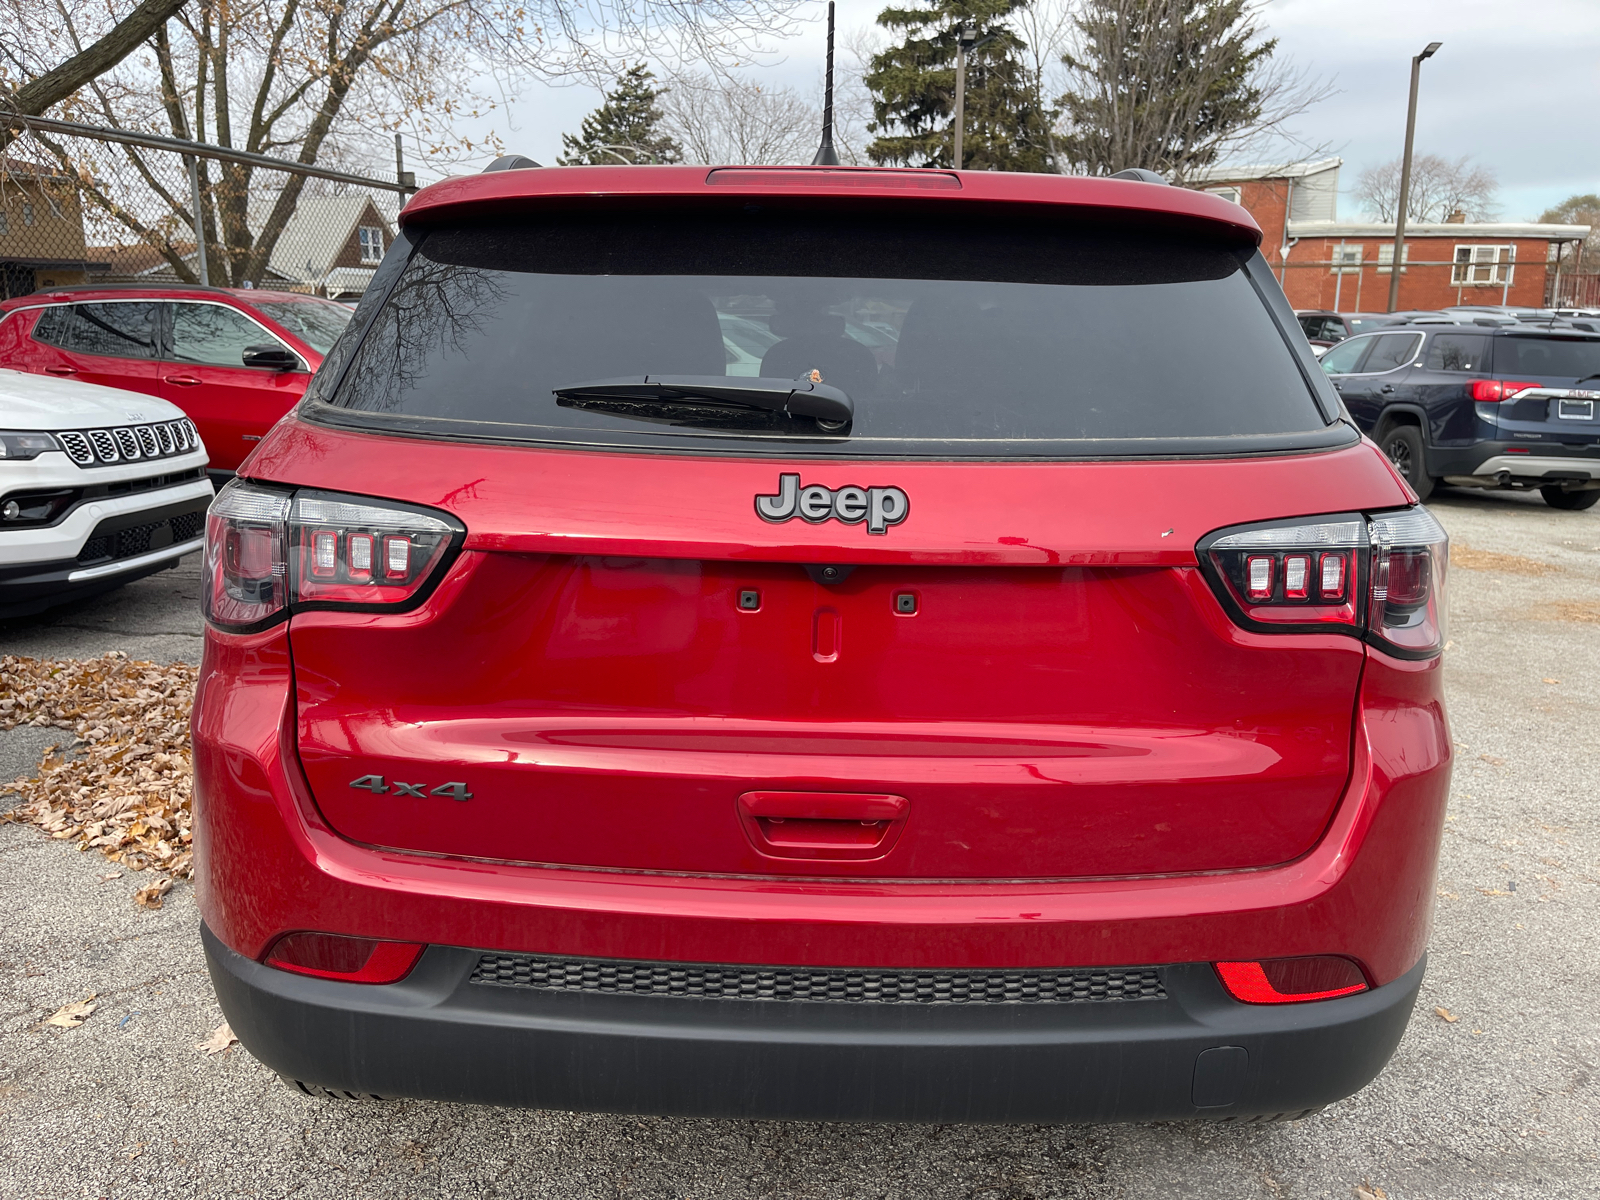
[965, 36]
[1405, 178]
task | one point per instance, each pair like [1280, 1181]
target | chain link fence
[80, 204]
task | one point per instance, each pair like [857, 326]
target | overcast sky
[1516, 86]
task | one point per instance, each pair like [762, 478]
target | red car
[233, 361]
[1022, 720]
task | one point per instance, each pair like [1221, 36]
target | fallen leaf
[150, 897]
[1446, 1015]
[70, 1016]
[123, 786]
[1493, 892]
[1552, 681]
[1367, 1191]
[111, 876]
[221, 1038]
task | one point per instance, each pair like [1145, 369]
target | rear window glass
[1457, 352]
[949, 339]
[1560, 358]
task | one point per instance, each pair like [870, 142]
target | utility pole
[1405, 178]
[405, 178]
[202, 271]
[965, 37]
[967, 40]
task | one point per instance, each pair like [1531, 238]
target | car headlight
[26, 445]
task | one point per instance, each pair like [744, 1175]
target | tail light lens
[1295, 574]
[270, 551]
[1291, 980]
[247, 575]
[347, 959]
[361, 552]
[1410, 554]
[1380, 577]
[1493, 391]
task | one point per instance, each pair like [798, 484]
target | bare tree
[1175, 85]
[728, 119]
[1439, 187]
[46, 87]
[1047, 28]
[313, 79]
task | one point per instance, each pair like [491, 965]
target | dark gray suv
[1517, 406]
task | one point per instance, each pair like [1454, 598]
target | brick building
[1326, 263]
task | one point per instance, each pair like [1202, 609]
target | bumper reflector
[1291, 980]
[347, 959]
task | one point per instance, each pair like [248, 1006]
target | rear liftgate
[778, 718]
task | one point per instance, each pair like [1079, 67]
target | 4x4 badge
[879, 507]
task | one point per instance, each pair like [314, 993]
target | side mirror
[271, 357]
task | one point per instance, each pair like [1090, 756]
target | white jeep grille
[128, 443]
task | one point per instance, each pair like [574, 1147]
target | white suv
[98, 487]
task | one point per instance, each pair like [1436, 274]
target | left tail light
[1381, 577]
[272, 551]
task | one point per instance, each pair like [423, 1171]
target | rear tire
[1403, 447]
[1559, 497]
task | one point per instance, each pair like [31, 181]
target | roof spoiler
[1137, 174]
[514, 162]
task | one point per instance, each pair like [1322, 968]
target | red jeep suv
[944, 701]
[233, 361]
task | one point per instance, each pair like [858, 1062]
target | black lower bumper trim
[438, 1036]
[29, 588]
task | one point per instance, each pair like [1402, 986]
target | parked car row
[1324, 329]
[232, 361]
[118, 406]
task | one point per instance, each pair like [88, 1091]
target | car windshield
[948, 338]
[317, 323]
[1560, 358]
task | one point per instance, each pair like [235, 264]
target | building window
[1230, 194]
[55, 209]
[1483, 265]
[1386, 258]
[371, 244]
[5, 224]
[27, 214]
[1347, 260]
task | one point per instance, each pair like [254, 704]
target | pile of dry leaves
[121, 782]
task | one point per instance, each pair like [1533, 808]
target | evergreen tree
[1168, 85]
[625, 128]
[913, 88]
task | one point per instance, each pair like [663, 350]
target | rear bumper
[437, 1035]
[1496, 463]
[1539, 467]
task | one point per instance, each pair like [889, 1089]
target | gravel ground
[1501, 1102]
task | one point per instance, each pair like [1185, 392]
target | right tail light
[1380, 576]
[1492, 391]
[270, 551]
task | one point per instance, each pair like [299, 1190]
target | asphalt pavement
[1500, 1102]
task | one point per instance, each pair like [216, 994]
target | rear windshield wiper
[830, 407]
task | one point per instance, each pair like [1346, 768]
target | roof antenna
[826, 155]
